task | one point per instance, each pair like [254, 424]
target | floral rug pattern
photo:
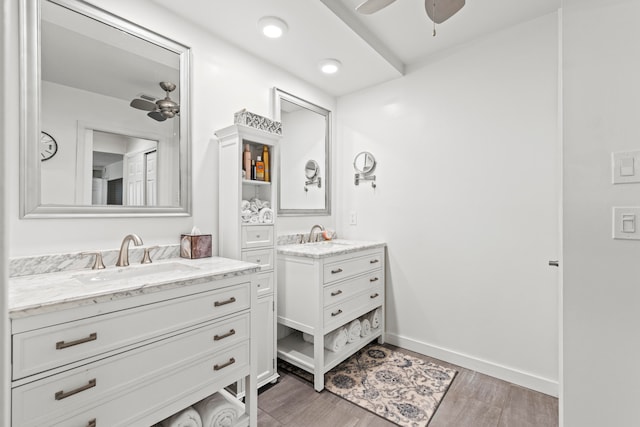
[401, 388]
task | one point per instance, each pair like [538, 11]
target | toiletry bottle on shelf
[259, 169]
[246, 161]
[265, 159]
[253, 169]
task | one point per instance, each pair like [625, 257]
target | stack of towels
[336, 340]
[214, 411]
[256, 211]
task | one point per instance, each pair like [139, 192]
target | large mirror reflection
[112, 99]
[306, 134]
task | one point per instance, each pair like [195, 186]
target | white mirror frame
[30, 194]
[278, 96]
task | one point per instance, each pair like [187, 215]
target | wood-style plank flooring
[473, 400]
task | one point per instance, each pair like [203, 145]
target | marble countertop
[42, 293]
[328, 248]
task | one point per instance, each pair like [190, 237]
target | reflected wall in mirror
[306, 134]
[115, 98]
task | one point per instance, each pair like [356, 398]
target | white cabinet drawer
[344, 290]
[256, 236]
[264, 283]
[264, 257]
[38, 350]
[40, 402]
[341, 270]
[345, 311]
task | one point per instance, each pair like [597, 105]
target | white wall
[224, 80]
[467, 200]
[601, 68]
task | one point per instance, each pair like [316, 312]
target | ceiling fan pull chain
[434, 21]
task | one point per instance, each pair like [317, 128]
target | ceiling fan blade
[157, 115]
[372, 6]
[143, 104]
[441, 10]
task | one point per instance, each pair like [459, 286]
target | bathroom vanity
[323, 286]
[131, 346]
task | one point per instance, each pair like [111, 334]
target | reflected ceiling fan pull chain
[434, 21]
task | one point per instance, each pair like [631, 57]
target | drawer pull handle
[338, 292]
[335, 313]
[374, 279]
[257, 236]
[376, 295]
[92, 423]
[63, 395]
[229, 301]
[373, 261]
[221, 337]
[339, 270]
[61, 344]
[257, 261]
[224, 365]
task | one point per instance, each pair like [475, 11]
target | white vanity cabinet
[251, 241]
[317, 294]
[134, 360]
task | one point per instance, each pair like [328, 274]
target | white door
[151, 195]
[135, 180]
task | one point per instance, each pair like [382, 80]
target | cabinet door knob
[336, 271]
[335, 293]
[335, 313]
[229, 301]
[257, 236]
[63, 395]
[61, 344]
[217, 367]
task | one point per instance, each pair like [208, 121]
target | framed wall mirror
[106, 103]
[306, 134]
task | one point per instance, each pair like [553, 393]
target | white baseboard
[515, 376]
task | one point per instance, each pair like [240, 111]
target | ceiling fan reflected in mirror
[437, 10]
[159, 109]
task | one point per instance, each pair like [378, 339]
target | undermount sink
[329, 243]
[123, 273]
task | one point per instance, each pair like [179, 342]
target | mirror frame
[30, 192]
[278, 96]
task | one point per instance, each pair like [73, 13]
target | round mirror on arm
[312, 172]
[364, 164]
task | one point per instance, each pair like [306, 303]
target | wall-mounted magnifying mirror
[365, 163]
[114, 97]
[306, 133]
[312, 173]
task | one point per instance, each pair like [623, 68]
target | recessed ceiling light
[272, 27]
[330, 66]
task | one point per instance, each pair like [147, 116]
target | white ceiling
[373, 48]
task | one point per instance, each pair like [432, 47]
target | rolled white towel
[246, 215]
[216, 411]
[186, 418]
[374, 318]
[336, 340]
[353, 331]
[265, 216]
[307, 337]
[253, 219]
[244, 205]
[365, 327]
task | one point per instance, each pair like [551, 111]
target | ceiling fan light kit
[161, 109]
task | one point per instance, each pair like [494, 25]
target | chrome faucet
[123, 256]
[311, 237]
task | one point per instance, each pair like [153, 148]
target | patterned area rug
[400, 388]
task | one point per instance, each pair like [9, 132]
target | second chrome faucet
[123, 256]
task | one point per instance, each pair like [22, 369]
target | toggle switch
[624, 223]
[628, 223]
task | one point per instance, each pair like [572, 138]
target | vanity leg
[318, 362]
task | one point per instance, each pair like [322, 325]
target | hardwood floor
[473, 400]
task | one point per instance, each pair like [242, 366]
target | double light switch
[626, 167]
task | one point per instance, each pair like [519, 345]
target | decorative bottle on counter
[259, 169]
[265, 159]
[246, 161]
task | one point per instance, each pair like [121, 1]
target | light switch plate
[625, 167]
[625, 223]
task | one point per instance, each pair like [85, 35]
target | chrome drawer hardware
[339, 270]
[221, 337]
[63, 395]
[376, 295]
[338, 292]
[373, 261]
[257, 261]
[335, 313]
[554, 263]
[224, 365]
[229, 301]
[375, 279]
[61, 344]
[92, 423]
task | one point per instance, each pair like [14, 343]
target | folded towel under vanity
[374, 318]
[353, 331]
[217, 411]
[307, 337]
[336, 340]
[365, 327]
[186, 418]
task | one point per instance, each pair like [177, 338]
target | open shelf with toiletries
[318, 296]
[247, 229]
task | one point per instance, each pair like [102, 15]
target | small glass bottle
[259, 169]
